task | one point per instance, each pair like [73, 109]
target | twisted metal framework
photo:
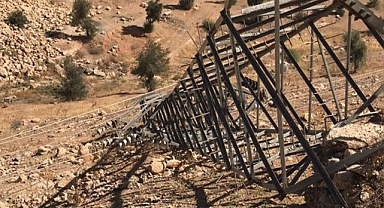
[217, 110]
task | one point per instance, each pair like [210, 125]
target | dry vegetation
[120, 178]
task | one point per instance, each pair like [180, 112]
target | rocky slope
[28, 52]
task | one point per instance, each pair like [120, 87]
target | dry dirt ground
[45, 159]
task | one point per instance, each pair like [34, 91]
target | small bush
[186, 4]
[298, 16]
[16, 124]
[296, 55]
[89, 26]
[253, 20]
[254, 2]
[95, 48]
[340, 11]
[80, 10]
[358, 49]
[148, 27]
[72, 85]
[373, 4]
[151, 61]
[154, 10]
[208, 24]
[17, 18]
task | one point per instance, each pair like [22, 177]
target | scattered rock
[60, 151]
[35, 120]
[102, 113]
[21, 179]
[349, 152]
[43, 150]
[157, 167]
[3, 204]
[99, 73]
[85, 153]
[364, 196]
[144, 4]
[173, 163]
[365, 170]
[343, 179]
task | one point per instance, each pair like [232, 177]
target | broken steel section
[214, 109]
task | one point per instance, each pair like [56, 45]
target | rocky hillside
[28, 52]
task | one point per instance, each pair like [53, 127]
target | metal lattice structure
[217, 109]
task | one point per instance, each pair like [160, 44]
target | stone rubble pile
[360, 184]
[27, 52]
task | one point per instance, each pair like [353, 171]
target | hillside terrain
[49, 155]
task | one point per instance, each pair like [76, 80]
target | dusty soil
[34, 129]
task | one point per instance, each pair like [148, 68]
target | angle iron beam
[215, 129]
[376, 35]
[363, 12]
[285, 14]
[227, 113]
[285, 99]
[259, 102]
[172, 124]
[190, 123]
[309, 84]
[346, 162]
[199, 125]
[314, 18]
[177, 121]
[315, 160]
[222, 117]
[301, 171]
[246, 121]
[340, 65]
[166, 125]
[295, 167]
[363, 107]
[176, 109]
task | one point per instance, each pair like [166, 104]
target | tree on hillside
[186, 4]
[72, 85]
[151, 61]
[17, 18]
[153, 11]
[358, 49]
[80, 10]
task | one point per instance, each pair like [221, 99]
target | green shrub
[151, 61]
[17, 18]
[186, 4]
[72, 85]
[148, 27]
[298, 15]
[295, 54]
[253, 20]
[89, 26]
[208, 24]
[153, 10]
[254, 2]
[80, 10]
[358, 49]
[373, 4]
[95, 48]
[340, 11]
[16, 124]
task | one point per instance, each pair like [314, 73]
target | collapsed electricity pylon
[217, 109]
